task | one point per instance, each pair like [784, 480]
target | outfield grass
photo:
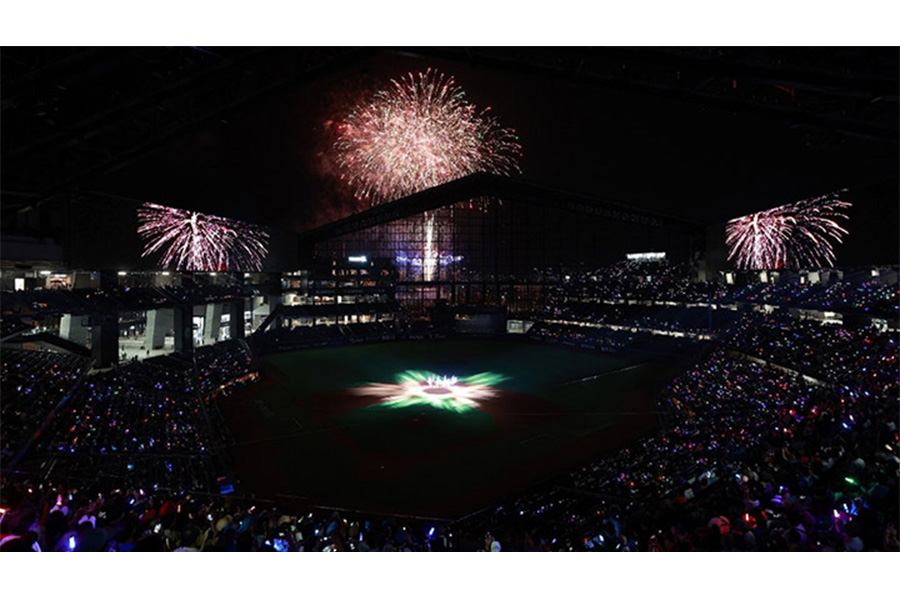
[303, 432]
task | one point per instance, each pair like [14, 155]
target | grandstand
[562, 359]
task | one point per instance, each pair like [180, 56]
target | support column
[105, 339]
[262, 312]
[159, 322]
[258, 312]
[276, 300]
[236, 319]
[74, 328]
[212, 323]
[184, 341]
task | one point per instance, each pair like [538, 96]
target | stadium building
[236, 297]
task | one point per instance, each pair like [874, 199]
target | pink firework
[193, 241]
[418, 133]
[798, 235]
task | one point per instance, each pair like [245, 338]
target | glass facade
[495, 252]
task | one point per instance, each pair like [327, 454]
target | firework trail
[417, 133]
[192, 241]
[798, 235]
[430, 254]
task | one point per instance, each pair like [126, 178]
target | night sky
[270, 162]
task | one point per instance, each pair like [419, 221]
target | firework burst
[417, 133]
[421, 388]
[798, 235]
[193, 241]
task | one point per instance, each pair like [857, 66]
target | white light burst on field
[798, 235]
[422, 388]
[193, 241]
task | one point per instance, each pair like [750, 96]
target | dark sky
[270, 162]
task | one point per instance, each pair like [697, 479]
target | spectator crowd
[782, 436]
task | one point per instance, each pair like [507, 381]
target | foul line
[592, 377]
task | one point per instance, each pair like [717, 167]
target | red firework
[193, 241]
[417, 133]
[798, 235]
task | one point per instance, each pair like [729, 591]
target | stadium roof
[702, 133]
[482, 185]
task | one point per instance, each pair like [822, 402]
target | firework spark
[798, 235]
[421, 388]
[193, 241]
[418, 133]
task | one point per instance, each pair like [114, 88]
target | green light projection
[423, 388]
